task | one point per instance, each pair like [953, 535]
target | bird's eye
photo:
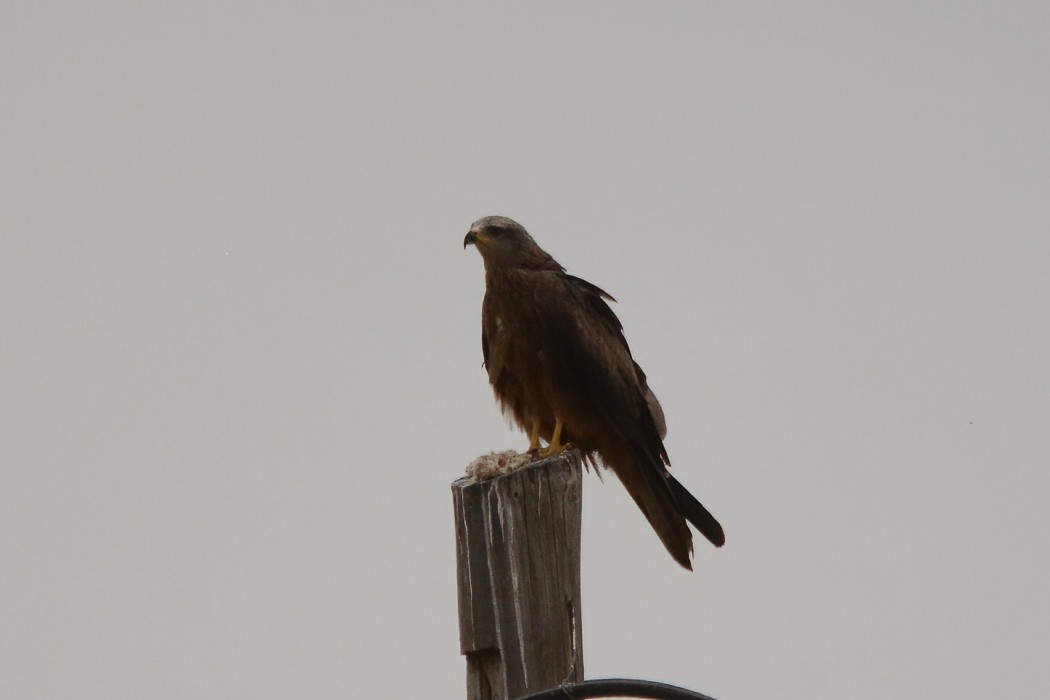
[495, 231]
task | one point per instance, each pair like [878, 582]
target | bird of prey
[560, 366]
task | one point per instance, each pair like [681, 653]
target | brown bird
[560, 365]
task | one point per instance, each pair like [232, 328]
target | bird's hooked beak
[470, 238]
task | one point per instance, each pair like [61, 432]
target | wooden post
[518, 565]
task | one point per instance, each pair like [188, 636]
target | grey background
[240, 360]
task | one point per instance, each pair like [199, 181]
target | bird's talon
[554, 450]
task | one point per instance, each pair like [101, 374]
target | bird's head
[503, 242]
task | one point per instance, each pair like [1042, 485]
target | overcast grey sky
[240, 360]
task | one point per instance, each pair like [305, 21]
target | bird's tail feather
[659, 505]
[667, 505]
[695, 513]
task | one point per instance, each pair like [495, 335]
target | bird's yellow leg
[555, 443]
[534, 438]
[555, 446]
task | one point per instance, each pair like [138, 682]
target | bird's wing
[595, 298]
[601, 395]
[585, 353]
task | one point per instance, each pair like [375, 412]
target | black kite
[560, 365]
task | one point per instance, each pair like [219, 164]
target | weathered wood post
[518, 566]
